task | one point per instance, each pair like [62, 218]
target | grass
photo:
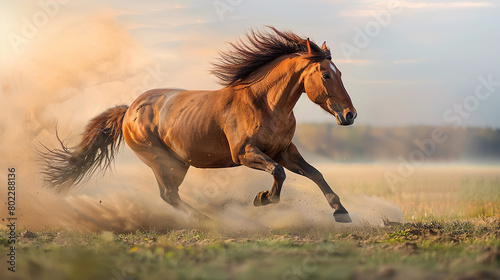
[453, 232]
[360, 252]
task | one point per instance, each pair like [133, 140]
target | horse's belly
[211, 161]
[203, 146]
[204, 152]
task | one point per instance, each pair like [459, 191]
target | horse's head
[323, 85]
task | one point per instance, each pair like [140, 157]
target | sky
[403, 62]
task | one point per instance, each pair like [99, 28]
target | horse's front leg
[253, 157]
[292, 160]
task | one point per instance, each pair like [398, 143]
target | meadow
[451, 230]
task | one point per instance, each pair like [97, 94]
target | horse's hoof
[261, 199]
[342, 217]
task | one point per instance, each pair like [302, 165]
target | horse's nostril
[349, 116]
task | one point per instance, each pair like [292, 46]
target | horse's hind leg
[169, 172]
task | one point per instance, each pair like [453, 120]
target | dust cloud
[228, 194]
[69, 75]
[64, 76]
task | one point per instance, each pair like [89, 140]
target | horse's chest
[275, 137]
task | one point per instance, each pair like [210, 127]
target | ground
[451, 232]
[458, 249]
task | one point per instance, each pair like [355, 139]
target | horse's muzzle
[347, 118]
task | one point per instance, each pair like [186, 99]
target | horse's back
[152, 97]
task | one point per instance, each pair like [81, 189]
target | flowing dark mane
[257, 50]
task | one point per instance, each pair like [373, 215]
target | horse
[248, 122]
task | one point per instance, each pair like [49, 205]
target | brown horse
[248, 122]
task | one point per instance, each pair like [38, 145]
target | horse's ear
[308, 46]
[326, 50]
[324, 47]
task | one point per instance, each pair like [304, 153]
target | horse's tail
[66, 167]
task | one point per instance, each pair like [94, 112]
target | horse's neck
[281, 87]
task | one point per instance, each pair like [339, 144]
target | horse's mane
[260, 48]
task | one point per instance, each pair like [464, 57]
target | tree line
[375, 144]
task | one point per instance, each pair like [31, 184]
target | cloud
[451, 5]
[379, 6]
[359, 62]
[407, 61]
[386, 82]
[357, 13]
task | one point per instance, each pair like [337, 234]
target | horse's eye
[326, 76]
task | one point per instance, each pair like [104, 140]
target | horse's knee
[279, 173]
